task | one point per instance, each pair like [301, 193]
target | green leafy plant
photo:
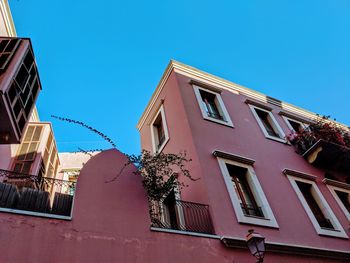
[159, 171]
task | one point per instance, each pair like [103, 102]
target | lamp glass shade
[256, 244]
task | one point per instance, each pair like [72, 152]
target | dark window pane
[28, 60]
[244, 192]
[160, 134]
[3, 60]
[12, 93]
[344, 198]
[305, 189]
[296, 126]
[210, 106]
[3, 44]
[22, 123]
[22, 76]
[17, 108]
[264, 117]
[11, 45]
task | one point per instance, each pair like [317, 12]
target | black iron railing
[184, 216]
[36, 194]
[250, 210]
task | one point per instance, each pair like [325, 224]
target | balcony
[34, 195]
[329, 155]
[250, 210]
[183, 216]
[19, 87]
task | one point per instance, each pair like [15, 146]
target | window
[344, 198]
[173, 213]
[341, 195]
[28, 149]
[7, 51]
[247, 196]
[212, 106]
[309, 196]
[159, 131]
[23, 90]
[268, 124]
[316, 207]
[295, 125]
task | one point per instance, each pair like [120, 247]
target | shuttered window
[28, 149]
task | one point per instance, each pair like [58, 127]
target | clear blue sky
[100, 61]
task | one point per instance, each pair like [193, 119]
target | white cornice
[7, 16]
[218, 82]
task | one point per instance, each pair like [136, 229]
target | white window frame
[302, 124]
[269, 219]
[336, 197]
[274, 124]
[154, 132]
[219, 104]
[321, 201]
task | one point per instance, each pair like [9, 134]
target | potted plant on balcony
[324, 143]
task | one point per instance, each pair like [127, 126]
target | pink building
[250, 177]
[63, 207]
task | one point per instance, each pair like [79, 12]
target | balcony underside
[19, 87]
[329, 156]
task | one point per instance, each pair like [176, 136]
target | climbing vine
[159, 172]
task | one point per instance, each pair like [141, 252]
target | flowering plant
[322, 129]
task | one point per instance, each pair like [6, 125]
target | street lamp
[256, 245]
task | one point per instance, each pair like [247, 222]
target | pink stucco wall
[111, 224]
[189, 131]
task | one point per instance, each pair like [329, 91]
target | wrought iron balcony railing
[36, 194]
[215, 115]
[184, 216]
[250, 210]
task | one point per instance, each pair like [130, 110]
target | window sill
[331, 233]
[258, 221]
[257, 217]
[36, 214]
[225, 123]
[277, 139]
[186, 233]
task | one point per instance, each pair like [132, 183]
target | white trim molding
[269, 219]
[218, 102]
[338, 230]
[219, 83]
[154, 132]
[7, 18]
[276, 127]
[299, 174]
[338, 187]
